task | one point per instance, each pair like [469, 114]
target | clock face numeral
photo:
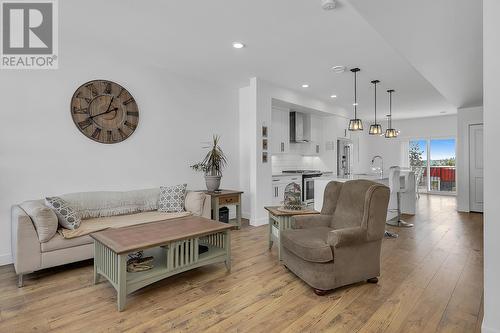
[80, 111]
[128, 101]
[85, 123]
[104, 111]
[107, 88]
[122, 134]
[130, 125]
[92, 89]
[97, 133]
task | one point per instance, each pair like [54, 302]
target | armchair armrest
[310, 221]
[346, 237]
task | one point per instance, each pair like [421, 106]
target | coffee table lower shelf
[169, 259]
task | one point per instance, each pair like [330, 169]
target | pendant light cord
[355, 98]
[390, 109]
[375, 103]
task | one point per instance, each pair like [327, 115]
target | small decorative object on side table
[226, 198]
[280, 219]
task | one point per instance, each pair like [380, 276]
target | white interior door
[476, 167]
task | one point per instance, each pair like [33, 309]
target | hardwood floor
[431, 281]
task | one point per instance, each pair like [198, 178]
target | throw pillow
[172, 198]
[67, 216]
[44, 219]
[194, 202]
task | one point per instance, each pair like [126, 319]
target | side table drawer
[230, 199]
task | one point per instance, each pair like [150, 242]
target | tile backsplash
[294, 162]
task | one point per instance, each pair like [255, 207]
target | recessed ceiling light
[305, 85]
[238, 45]
[339, 69]
[333, 96]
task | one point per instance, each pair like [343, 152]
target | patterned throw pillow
[172, 198]
[66, 215]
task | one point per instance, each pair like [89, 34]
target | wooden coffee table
[172, 243]
[280, 220]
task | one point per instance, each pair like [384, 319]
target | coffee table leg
[122, 281]
[227, 245]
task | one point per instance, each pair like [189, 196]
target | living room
[116, 120]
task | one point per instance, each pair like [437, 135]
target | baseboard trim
[259, 222]
[5, 259]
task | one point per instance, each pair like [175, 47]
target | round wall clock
[104, 111]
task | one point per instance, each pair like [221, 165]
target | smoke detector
[339, 69]
[328, 4]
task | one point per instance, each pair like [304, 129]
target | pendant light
[390, 132]
[375, 129]
[355, 124]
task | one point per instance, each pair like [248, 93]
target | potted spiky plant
[212, 165]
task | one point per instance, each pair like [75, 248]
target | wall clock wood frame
[104, 111]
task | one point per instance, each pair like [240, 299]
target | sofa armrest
[310, 221]
[25, 244]
[207, 207]
[346, 237]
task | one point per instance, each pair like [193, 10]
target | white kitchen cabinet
[280, 131]
[316, 144]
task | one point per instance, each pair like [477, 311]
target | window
[433, 161]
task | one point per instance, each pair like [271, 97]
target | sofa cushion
[172, 198]
[112, 203]
[68, 218]
[59, 242]
[194, 202]
[44, 219]
[309, 244]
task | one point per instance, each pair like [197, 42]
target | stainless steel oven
[308, 187]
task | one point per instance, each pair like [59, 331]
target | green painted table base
[280, 223]
[169, 259]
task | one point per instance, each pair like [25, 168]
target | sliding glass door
[433, 161]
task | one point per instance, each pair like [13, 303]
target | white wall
[491, 42]
[421, 128]
[43, 153]
[466, 117]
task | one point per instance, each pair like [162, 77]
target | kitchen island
[408, 198]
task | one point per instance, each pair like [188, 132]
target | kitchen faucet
[382, 163]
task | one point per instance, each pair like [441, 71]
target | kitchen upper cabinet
[280, 131]
[316, 144]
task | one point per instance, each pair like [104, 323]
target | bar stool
[395, 187]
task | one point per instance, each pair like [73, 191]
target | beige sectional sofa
[36, 244]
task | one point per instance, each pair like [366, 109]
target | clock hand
[100, 114]
[111, 101]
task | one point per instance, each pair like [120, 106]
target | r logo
[27, 28]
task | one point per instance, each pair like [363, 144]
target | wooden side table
[226, 198]
[281, 220]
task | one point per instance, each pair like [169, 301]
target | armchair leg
[20, 281]
[320, 292]
[372, 280]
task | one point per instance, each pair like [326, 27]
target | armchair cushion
[310, 221]
[310, 244]
[346, 237]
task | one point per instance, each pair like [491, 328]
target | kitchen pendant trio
[356, 124]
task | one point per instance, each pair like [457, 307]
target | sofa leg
[20, 281]
[320, 292]
[372, 280]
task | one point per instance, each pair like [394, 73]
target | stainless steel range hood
[299, 123]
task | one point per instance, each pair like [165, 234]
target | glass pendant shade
[375, 129]
[390, 132]
[355, 124]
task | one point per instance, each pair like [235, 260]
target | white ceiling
[442, 39]
[289, 42]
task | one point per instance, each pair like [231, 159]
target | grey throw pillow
[66, 215]
[172, 198]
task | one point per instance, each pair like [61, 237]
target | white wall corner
[5, 259]
[259, 222]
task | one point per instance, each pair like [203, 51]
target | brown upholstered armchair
[342, 245]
